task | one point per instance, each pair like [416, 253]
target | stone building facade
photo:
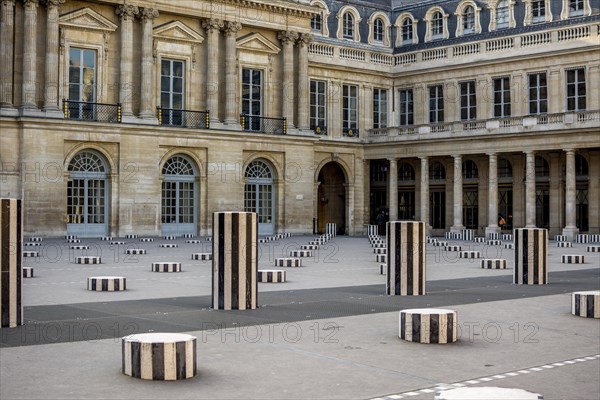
[143, 117]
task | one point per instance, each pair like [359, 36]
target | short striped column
[159, 356]
[564, 244]
[380, 250]
[288, 262]
[586, 304]
[493, 263]
[168, 245]
[372, 230]
[189, 235]
[146, 240]
[106, 238]
[36, 239]
[117, 242]
[31, 254]
[531, 256]
[507, 237]
[592, 249]
[509, 246]
[381, 258]
[331, 229]
[166, 267]
[572, 259]
[493, 236]
[479, 239]
[202, 256]
[135, 251]
[487, 393]
[193, 241]
[594, 238]
[432, 240]
[440, 244]
[468, 234]
[106, 283]
[382, 269]
[27, 272]
[560, 238]
[73, 240]
[131, 236]
[405, 258]
[235, 261]
[494, 242]
[169, 237]
[11, 258]
[453, 248]
[582, 238]
[301, 253]
[309, 247]
[428, 325]
[88, 260]
[271, 276]
[469, 254]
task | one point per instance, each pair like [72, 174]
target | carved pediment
[177, 31]
[255, 42]
[86, 18]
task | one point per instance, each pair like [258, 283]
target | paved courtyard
[329, 332]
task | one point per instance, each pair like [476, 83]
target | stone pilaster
[492, 226]
[457, 225]
[147, 105]
[127, 13]
[304, 41]
[7, 26]
[570, 230]
[288, 39]
[425, 192]
[28, 97]
[212, 28]
[529, 189]
[51, 106]
[393, 189]
[231, 80]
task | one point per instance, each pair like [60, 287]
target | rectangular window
[380, 105]
[407, 31]
[468, 101]
[171, 91]
[576, 90]
[82, 75]
[502, 14]
[502, 97]
[315, 23]
[349, 109]
[436, 104]
[575, 8]
[538, 10]
[406, 107]
[538, 93]
[252, 91]
[318, 106]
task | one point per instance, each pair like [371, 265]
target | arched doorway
[505, 192]
[178, 196]
[437, 195]
[332, 198]
[470, 194]
[406, 191]
[259, 195]
[87, 195]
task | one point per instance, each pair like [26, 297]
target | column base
[32, 112]
[147, 120]
[232, 125]
[54, 113]
[216, 124]
[492, 229]
[301, 132]
[8, 111]
[130, 119]
[570, 233]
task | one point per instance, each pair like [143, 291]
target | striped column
[271, 276]
[428, 325]
[11, 260]
[468, 234]
[330, 229]
[235, 261]
[586, 304]
[372, 230]
[405, 258]
[159, 356]
[106, 283]
[531, 256]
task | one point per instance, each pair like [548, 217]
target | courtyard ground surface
[329, 332]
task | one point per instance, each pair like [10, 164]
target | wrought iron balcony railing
[98, 112]
[350, 132]
[253, 123]
[319, 129]
[183, 118]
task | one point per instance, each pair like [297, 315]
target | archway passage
[332, 198]
[178, 197]
[259, 195]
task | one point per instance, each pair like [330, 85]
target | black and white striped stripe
[331, 229]
[36, 239]
[271, 276]
[564, 244]
[79, 247]
[168, 245]
[70, 237]
[507, 236]
[380, 243]
[428, 325]
[193, 241]
[117, 242]
[309, 247]
[288, 262]
[88, 260]
[594, 239]
[146, 239]
[470, 254]
[509, 246]
[493, 263]
[440, 244]
[432, 240]
[166, 267]
[582, 238]
[381, 258]
[159, 356]
[235, 261]
[560, 238]
[131, 236]
[73, 240]
[453, 248]
[202, 256]
[169, 237]
[27, 272]
[11, 260]
[135, 251]
[31, 254]
[572, 259]
[380, 250]
[468, 234]
[531, 256]
[479, 239]
[301, 253]
[372, 230]
[189, 235]
[493, 236]
[33, 244]
[106, 283]
[494, 242]
[586, 304]
[592, 249]
[382, 269]
[406, 258]
[106, 238]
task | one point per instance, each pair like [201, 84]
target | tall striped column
[235, 260]
[11, 260]
[531, 256]
[331, 229]
[372, 230]
[405, 258]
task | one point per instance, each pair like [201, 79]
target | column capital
[572, 151]
[529, 152]
[232, 28]
[304, 39]
[30, 3]
[148, 13]
[7, 2]
[457, 156]
[127, 11]
[213, 24]
[287, 37]
[392, 160]
[53, 3]
[424, 158]
[492, 154]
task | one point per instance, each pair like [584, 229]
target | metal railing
[183, 118]
[350, 132]
[84, 111]
[253, 123]
[319, 129]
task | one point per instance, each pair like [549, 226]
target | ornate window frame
[324, 16]
[386, 29]
[529, 12]
[340, 16]
[399, 25]
[460, 10]
[493, 7]
[566, 12]
[429, 21]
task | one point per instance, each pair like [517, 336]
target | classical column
[287, 95]
[212, 28]
[303, 85]
[7, 26]
[147, 106]
[28, 101]
[393, 189]
[570, 230]
[530, 189]
[51, 75]
[127, 13]
[425, 191]
[457, 226]
[493, 196]
[232, 105]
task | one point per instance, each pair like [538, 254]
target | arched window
[406, 172]
[437, 171]
[407, 31]
[581, 166]
[378, 30]
[348, 26]
[178, 196]
[504, 168]
[542, 169]
[437, 25]
[502, 14]
[469, 170]
[259, 195]
[469, 19]
[316, 23]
